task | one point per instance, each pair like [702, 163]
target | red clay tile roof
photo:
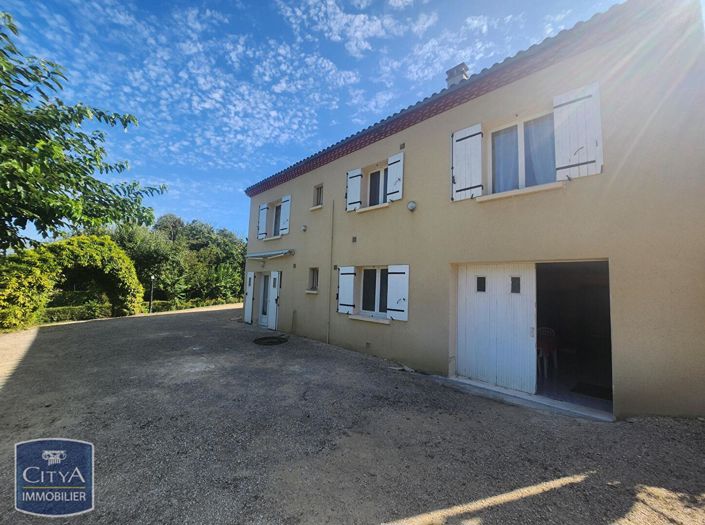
[600, 28]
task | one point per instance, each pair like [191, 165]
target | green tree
[154, 255]
[171, 225]
[191, 261]
[47, 162]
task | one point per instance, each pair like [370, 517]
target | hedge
[28, 278]
[55, 314]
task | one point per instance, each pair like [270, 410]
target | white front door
[497, 324]
[249, 296]
[264, 301]
[273, 298]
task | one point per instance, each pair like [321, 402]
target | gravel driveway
[193, 423]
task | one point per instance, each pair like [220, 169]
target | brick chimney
[457, 74]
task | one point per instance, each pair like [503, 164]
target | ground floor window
[374, 291]
[379, 292]
[313, 279]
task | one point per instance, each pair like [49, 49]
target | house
[538, 227]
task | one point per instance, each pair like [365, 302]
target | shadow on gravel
[193, 422]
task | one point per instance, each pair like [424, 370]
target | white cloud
[478, 23]
[204, 99]
[553, 23]
[423, 23]
[477, 39]
[361, 4]
[400, 4]
[369, 107]
[327, 17]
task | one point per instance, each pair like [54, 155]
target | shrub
[27, 279]
[57, 314]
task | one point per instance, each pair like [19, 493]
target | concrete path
[193, 423]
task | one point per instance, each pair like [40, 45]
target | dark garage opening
[574, 349]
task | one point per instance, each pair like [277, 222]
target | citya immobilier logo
[54, 477]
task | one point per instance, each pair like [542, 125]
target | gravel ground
[193, 423]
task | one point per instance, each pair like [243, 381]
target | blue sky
[229, 92]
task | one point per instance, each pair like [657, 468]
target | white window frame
[519, 123]
[381, 191]
[276, 227]
[360, 290]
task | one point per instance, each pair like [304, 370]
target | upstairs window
[375, 185]
[273, 218]
[318, 195]
[378, 187]
[557, 146]
[276, 228]
[539, 151]
[524, 155]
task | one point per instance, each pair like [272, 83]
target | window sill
[312, 292]
[272, 238]
[369, 319]
[314, 208]
[371, 208]
[522, 191]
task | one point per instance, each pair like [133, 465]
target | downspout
[330, 268]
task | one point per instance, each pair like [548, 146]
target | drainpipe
[330, 268]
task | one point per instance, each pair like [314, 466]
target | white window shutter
[286, 211]
[346, 289]
[466, 167]
[395, 177]
[262, 222]
[578, 133]
[398, 292]
[353, 192]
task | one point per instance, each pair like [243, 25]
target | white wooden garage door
[497, 324]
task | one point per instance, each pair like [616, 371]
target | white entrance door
[273, 297]
[497, 324]
[249, 296]
[264, 301]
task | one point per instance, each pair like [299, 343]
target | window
[505, 160]
[318, 195]
[523, 155]
[378, 187]
[516, 285]
[273, 218]
[481, 284]
[313, 279]
[376, 184]
[539, 151]
[277, 220]
[374, 291]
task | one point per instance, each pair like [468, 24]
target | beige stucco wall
[645, 214]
